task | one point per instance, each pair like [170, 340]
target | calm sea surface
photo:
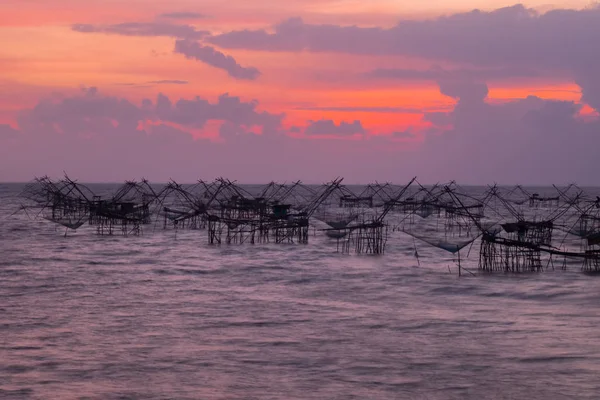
[165, 316]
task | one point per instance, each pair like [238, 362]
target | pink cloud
[186, 44]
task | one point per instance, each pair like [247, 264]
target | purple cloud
[525, 141]
[508, 42]
[169, 82]
[437, 118]
[197, 112]
[91, 112]
[143, 29]
[182, 15]
[465, 91]
[500, 38]
[186, 44]
[403, 135]
[75, 133]
[294, 35]
[7, 132]
[328, 127]
[214, 58]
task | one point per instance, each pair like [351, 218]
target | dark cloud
[437, 118]
[197, 112]
[511, 42]
[186, 44]
[103, 138]
[328, 127]
[294, 35]
[403, 135]
[464, 91]
[589, 80]
[501, 38]
[530, 141]
[508, 42]
[143, 29]
[7, 131]
[213, 57]
[85, 114]
[98, 137]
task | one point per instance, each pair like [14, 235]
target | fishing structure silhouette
[518, 231]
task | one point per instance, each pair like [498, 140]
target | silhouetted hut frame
[242, 218]
[64, 202]
[368, 236]
[519, 241]
[126, 211]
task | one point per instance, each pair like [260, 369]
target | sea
[165, 315]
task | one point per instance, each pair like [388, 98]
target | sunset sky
[476, 91]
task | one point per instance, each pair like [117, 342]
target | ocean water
[166, 316]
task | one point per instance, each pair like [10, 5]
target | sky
[468, 90]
